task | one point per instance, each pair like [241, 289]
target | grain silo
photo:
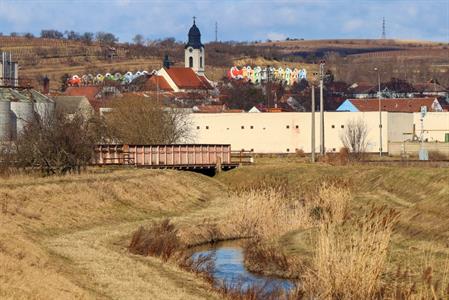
[43, 105]
[5, 120]
[22, 112]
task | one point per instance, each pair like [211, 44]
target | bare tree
[56, 145]
[142, 120]
[354, 137]
[138, 39]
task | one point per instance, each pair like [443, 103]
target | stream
[230, 270]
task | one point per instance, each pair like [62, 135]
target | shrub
[159, 240]
[57, 144]
[437, 155]
[343, 155]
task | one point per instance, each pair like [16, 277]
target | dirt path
[102, 265]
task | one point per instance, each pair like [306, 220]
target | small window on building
[243, 127]
[190, 62]
[342, 126]
[333, 126]
[207, 127]
[263, 128]
[288, 150]
[201, 62]
[252, 149]
[297, 126]
[227, 128]
[251, 127]
[333, 149]
[288, 126]
[197, 127]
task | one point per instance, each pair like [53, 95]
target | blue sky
[237, 20]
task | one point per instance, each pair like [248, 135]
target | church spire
[194, 37]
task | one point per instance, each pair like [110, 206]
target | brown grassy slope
[420, 194]
[313, 45]
[414, 61]
[58, 235]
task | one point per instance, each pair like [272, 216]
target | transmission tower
[216, 32]
[384, 35]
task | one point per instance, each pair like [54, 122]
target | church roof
[186, 78]
[155, 82]
[194, 38]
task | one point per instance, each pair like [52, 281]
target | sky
[238, 20]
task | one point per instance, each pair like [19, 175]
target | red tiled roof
[393, 105]
[205, 82]
[186, 78]
[210, 108]
[90, 92]
[362, 88]
[154, 81]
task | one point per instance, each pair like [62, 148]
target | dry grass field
[61, 237]
[67, 237]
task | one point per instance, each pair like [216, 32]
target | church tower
[194, 50]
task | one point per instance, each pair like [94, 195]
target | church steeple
[194, 37]
[194, 50]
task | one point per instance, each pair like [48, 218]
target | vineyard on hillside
[349, 60]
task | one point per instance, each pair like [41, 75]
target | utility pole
[380, 111]
[313, 122]
[384, 34]
[322, 147]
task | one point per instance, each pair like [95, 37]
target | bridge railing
[189, 155]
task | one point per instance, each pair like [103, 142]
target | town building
[85, 100]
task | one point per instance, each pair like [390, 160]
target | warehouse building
[290, 132]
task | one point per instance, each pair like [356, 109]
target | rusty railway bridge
[182, 157]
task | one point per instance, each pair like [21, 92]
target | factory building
[9, 70]
[291, 132]
[18, 107]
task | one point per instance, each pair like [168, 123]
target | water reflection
[230, 270]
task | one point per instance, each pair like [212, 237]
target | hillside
[349, 60]
[354, 60]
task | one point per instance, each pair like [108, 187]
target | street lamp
[313, 116]
[322, 148]
[380, 111]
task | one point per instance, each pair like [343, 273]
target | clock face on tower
[190, 50]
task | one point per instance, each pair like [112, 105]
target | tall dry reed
[431, 283]
[268, 213]
[351, 256]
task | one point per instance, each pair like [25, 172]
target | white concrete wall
[400, 127]
[268, 132]
[436, 125]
